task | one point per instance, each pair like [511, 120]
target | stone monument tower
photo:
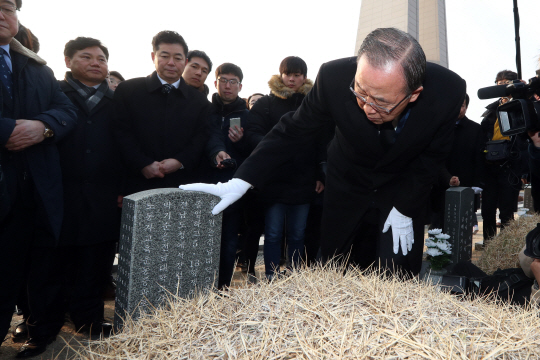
[425, 20]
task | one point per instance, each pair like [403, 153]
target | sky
[257, 35]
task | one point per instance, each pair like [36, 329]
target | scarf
[92, 96]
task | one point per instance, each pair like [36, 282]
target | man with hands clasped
[159, 121]
[394, 117]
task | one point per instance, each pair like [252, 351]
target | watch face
[48, 133]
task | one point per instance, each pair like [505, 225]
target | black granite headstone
[459, 221]
[169, 243]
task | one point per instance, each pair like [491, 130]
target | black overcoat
[150, 125]
[38, 97]
[360, 174]
[91, 171]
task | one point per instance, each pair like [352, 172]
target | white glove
[477, 190]
[402, 230]
[229, 192]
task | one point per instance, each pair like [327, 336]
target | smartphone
[234, 122]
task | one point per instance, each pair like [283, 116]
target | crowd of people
[72, 149]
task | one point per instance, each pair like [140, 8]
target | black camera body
[522, 113]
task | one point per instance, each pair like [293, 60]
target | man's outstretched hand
[229, 192]
[402, 230]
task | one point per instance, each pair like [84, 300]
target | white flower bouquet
[439, 249]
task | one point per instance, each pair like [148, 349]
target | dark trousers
[254, 217]
[501, 190]
[25, 224]
[232, 217]
[347, 230]
[66, 278]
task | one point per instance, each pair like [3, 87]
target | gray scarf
[91, 100]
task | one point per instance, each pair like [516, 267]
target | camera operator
[503, 174]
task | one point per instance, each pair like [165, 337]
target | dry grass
[319, 313]
[502, 251]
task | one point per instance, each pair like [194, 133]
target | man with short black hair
[35, 116]
[394, 117]
[227, 143]
[197, 69]
[75, 270]
[159, 121]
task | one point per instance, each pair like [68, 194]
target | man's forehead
[199, 61]
[92, 50]
[228, 76]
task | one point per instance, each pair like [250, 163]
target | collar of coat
[17, 47]
[278, 88]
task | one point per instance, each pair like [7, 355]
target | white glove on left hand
[402, 230]
[229, 192]
[477, 190]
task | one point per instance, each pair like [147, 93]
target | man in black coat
[464, 166]
[394, 119]
[90, 173]
[159, 121]
[227, 120]
[34, 116]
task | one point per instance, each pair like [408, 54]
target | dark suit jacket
[151, 126]
[91, 172]
[360, 174]
[37, 96]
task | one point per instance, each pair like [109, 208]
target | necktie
[166, 88]
[5, 74]
[387, 135]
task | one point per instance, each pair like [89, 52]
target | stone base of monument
[324, 313]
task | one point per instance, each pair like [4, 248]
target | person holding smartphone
[227, 150]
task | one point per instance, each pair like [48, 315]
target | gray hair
[385, 46]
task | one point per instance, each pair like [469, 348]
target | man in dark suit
[160, 121]
[34, 116]
[77, 268]
[394, 118]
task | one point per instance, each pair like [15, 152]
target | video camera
[522, 113]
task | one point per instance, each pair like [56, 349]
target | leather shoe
[96, 329]
[20, 332]
[34, 346]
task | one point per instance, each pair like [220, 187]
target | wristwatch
[48, 133]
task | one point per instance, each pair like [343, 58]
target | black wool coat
[219, 122]
[150, 125]
[91, 171]
[361, 175]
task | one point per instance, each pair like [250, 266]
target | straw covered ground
[502, 251]
[319, 313]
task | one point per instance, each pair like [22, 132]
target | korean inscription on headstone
[459, 221]
[169, 243]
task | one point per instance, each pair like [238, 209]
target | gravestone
[528, 200]
[169, 243]
[459, 221]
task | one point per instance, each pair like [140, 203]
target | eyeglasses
[231, 81]
[377, 108]
[8, 10]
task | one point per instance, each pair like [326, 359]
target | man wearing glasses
[394, 117]
[34, 116]
[159, 121]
